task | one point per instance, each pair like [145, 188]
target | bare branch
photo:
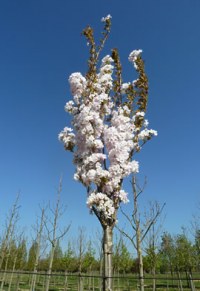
[153, 220]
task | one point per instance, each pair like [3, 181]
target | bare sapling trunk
[13, 269]
[140, 259]
[39, 231]
[137, 228]
[10, 226]
[49, 272]
[8, 240]
[138, 234]
[152, 239]
[14, 252]
[154, 280]
[3, 279]
[140, 229]
[52, 232]
[10, 254]
[107, 253]
[81, 246]
[66, 282]
[179, 280]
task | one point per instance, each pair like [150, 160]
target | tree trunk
[192, 286]
[140, 257]
[18, 280]
[141, 269]
[49, 272]
[180, 282]
[66, 282]
[138, 235]
[38, 246]
[33, 281]
[11, 276]
[154, 280]
[107, 253]
[4, 273]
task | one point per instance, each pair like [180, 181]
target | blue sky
[41, 45]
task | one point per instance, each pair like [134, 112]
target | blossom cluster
[133, 57]
[104, 19]
[103, 140]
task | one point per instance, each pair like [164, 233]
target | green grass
[126, 283]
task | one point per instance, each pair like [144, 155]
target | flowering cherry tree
[109, 127]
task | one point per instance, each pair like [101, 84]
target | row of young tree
[162, 252]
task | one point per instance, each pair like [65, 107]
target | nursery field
[85, 282]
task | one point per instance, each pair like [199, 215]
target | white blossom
[146, 123]
[147, 133]
[77, 83]
[104, 19]
[123, 196]
[70, 107]
[102, 202]
[124, 87]
[103, 146]
[107, 60]
[134, 82]
[67, 137]
[133, 57]
[140, 114]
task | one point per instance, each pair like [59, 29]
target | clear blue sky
[40, 45]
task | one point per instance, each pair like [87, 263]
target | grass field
[73, 282]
